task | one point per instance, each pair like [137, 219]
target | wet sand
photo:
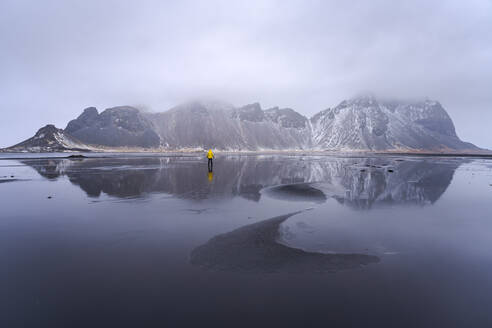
[264, 240]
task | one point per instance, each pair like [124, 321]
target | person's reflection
[210, 175]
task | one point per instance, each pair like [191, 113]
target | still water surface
[271, 240]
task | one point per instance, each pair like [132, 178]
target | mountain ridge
[50, 139]
[367, 123]
[362, 123]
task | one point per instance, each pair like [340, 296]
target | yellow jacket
[210, 154]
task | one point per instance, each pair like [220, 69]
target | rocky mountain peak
[367, 123]
[47, 130]
[115, 127]
[48, 139]
[287, 117]
[200, 107]
[251, 113]
[90, 111]
[363, 100]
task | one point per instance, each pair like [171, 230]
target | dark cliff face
[122, 126]
[251, 113]
[287, 117]
[88, 118]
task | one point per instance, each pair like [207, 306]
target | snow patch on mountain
[50, 139]
[365, 123]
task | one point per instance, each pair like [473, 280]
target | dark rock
[89, 116]
[251, 113]
[122, 126]
[287, 117]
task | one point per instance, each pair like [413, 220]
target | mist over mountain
[223, 126]
[363, 123]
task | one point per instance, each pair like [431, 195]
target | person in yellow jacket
[210, 156]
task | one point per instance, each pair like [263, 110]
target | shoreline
[77, 155]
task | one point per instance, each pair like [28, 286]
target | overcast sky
[58, 57]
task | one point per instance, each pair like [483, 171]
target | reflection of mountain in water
[378, 182]
[183, 177]
[254, 248]
[356, 182]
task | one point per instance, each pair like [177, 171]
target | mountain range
[359, 124]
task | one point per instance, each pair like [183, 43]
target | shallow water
[265, 240]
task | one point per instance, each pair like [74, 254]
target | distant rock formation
[122, 126]
[50, 139]
[359, 124]
[365, 123]
[222, 126]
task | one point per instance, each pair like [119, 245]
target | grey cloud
[61, 56]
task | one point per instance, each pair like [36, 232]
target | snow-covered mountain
[362, 123]
[50, 139]
[366, 123]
